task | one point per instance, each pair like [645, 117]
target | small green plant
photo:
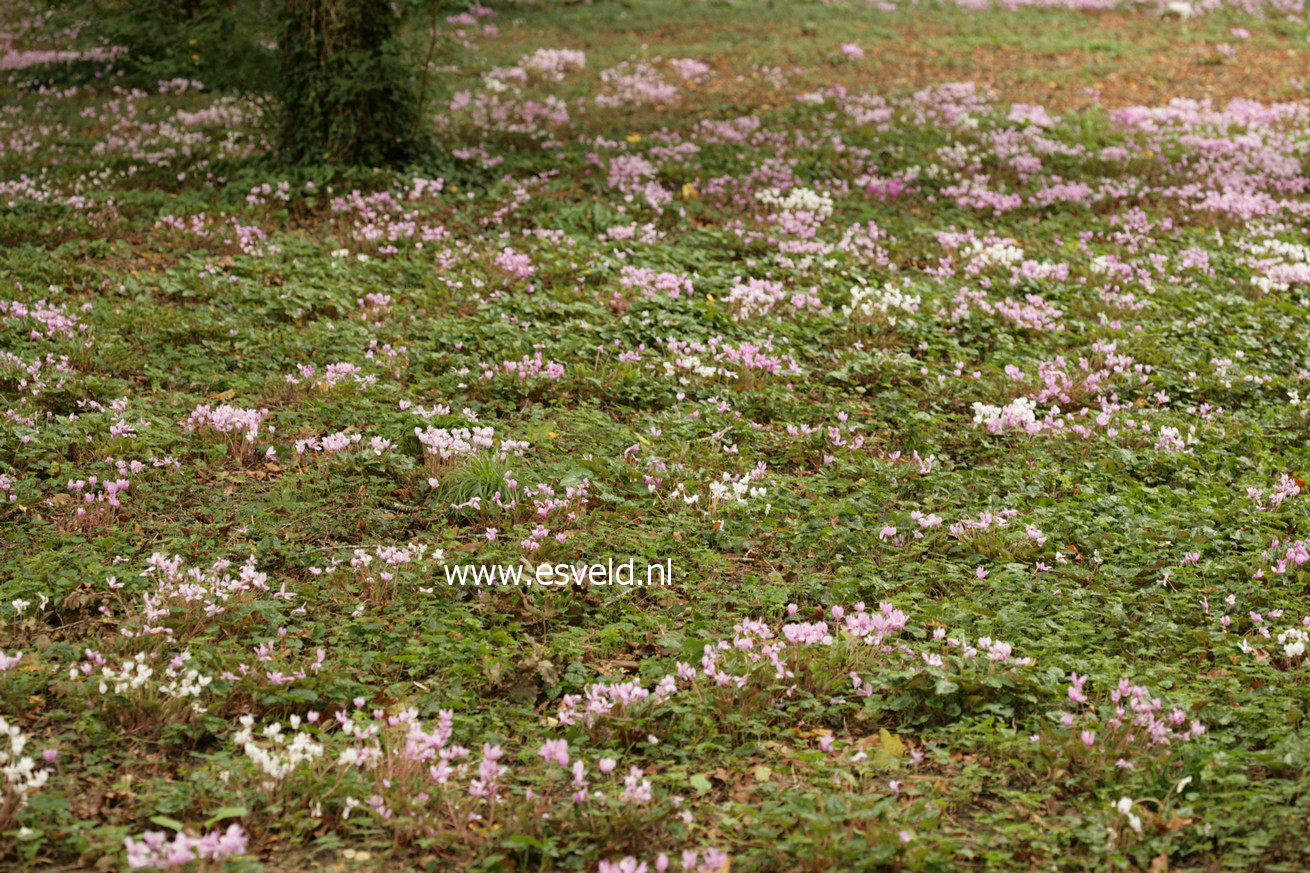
[483, 477]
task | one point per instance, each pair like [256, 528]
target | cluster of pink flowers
[634, 177]
[154, 849]
[240, 426]
[756, 297]
[198, 592]
[515, 263]
[1285, 489]
[196, 226]
[1032, 313]
[532, 367]
[652, 283]
[333, 375]
[419, 774]
[1285, 556]
[381, 569]
[554, 63]
[383, 221]
[23, 60]
[600, 699]
[440, 445]
[634, 83]
[36, 376]
[53, 320]
[775, 664]
[1134, 723]
[690, 861]
[94, 507]
[339, 442]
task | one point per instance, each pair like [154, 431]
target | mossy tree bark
[347, 93]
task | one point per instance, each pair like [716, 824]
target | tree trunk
[346, 91]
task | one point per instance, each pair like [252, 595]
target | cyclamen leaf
[224, 812]
[890, 749]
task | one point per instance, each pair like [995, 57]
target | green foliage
[344, 82]
[222, 43]
[481, 476]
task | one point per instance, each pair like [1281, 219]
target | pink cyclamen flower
[1076, 688]
[556, 751]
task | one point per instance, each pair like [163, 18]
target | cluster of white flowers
[134, 674]
[1171, 439]
[1281, 264]
[345, 253]
[797, 200]
[1283, 251]
[735, 492]
[494, 84]
[22, 775]
[1018, 413]
[278, 757]
[992, 253]
[1125, 808]
[1101, 264]
[728, 490]
[913, 173]
[697, 367]
[177, 681]
[887, 300]
[1294, 640]
[186, 683]
[959, 156]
